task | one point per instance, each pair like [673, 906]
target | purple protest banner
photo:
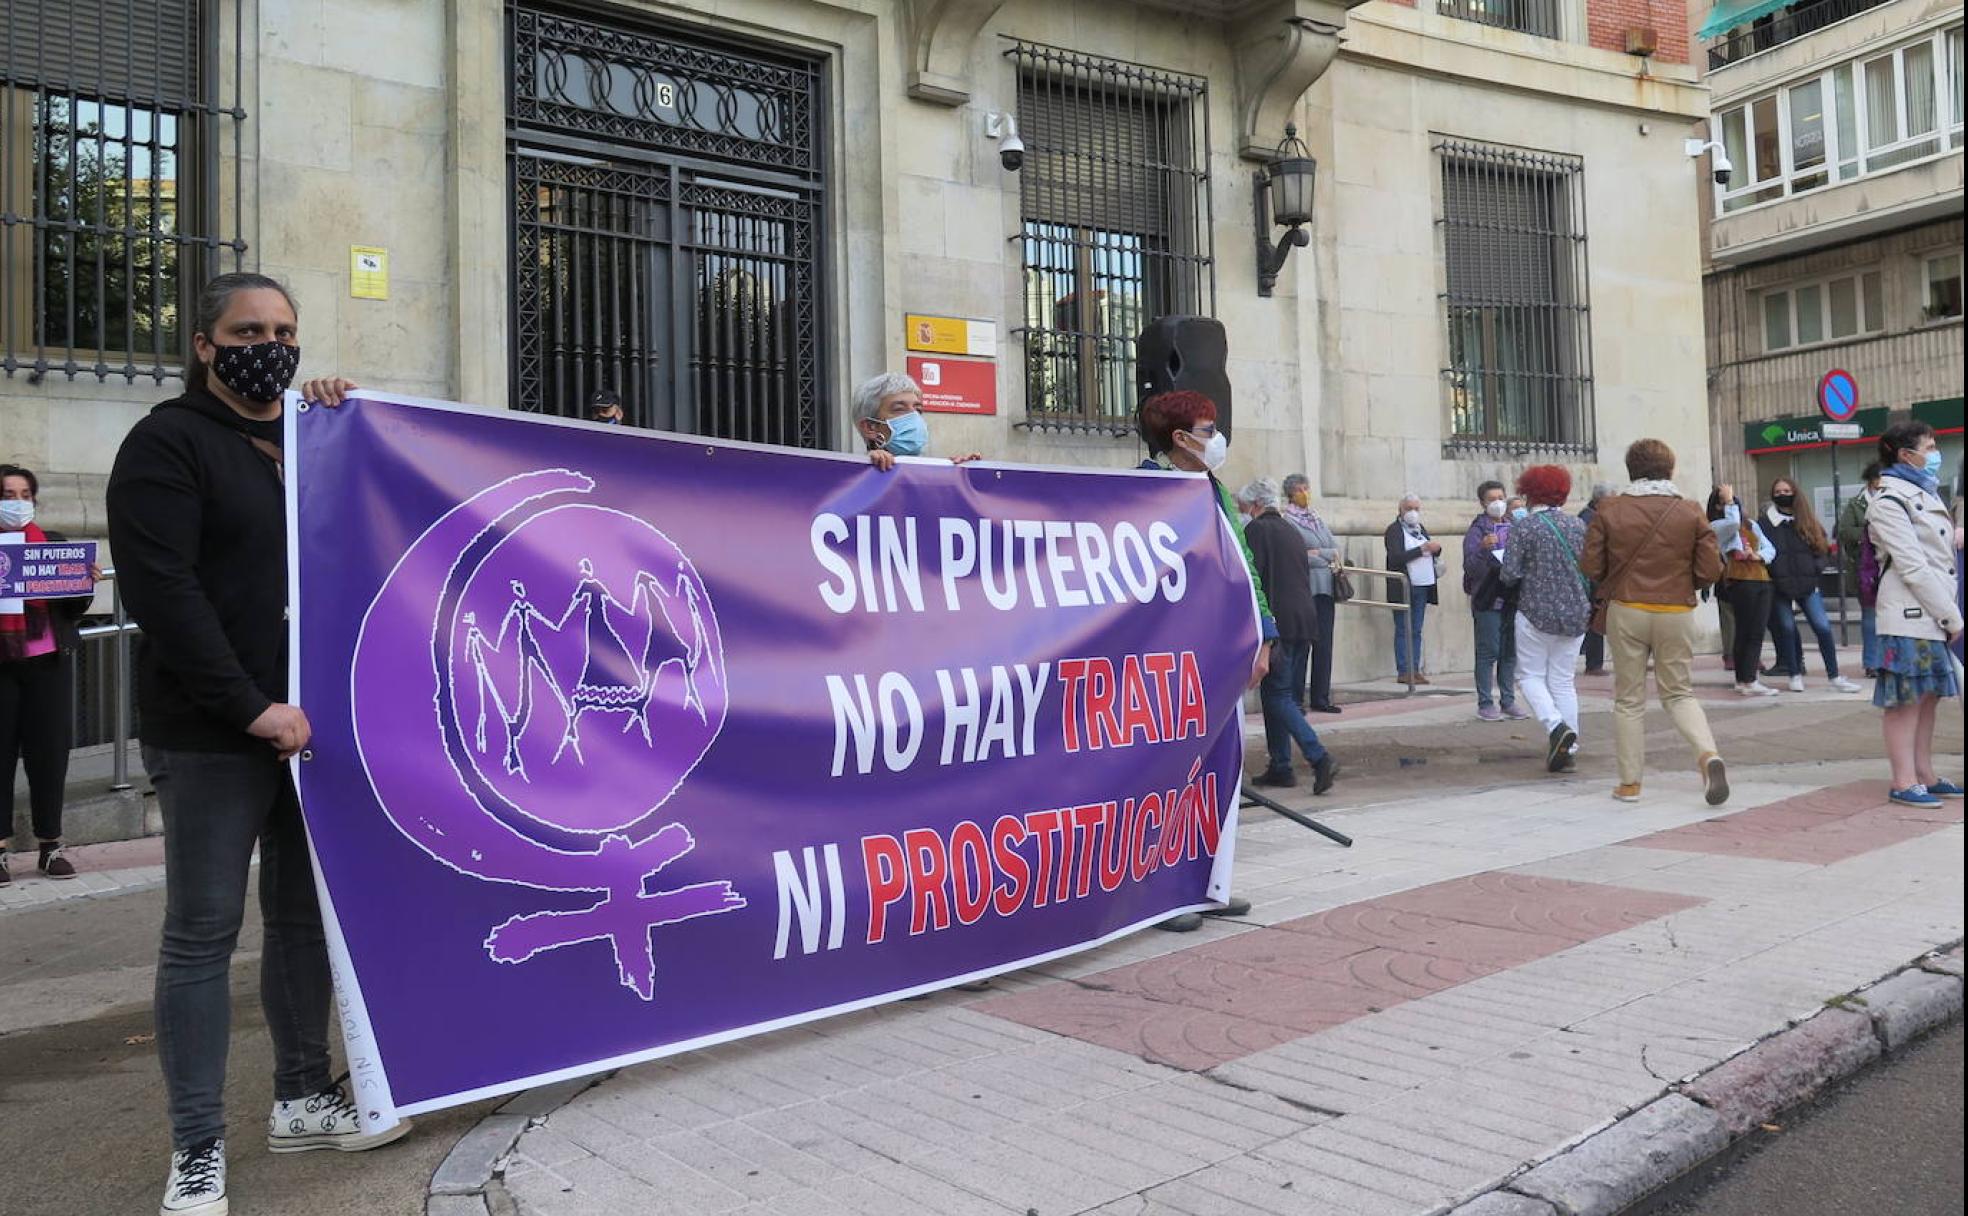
[626, 744]
[47, 570]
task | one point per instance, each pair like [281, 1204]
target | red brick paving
[1223, 1000]
[1819, 828]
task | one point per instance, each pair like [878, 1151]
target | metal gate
[667, 213]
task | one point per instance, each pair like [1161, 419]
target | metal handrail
[120, 627]
[1773, 31]
[1406, 586]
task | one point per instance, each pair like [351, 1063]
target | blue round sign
[1838, 395]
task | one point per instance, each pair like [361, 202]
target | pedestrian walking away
[197, 520]
[1554, 607]
[1314, 684]
[1413, 552]
[1492, 603]
[38, 640]
[1595, 642]
[1181, 433]
[1747, 553]
[1278, 558]
[1802, 548]
[1919, 616]
[1650, 552]
[1859, 567]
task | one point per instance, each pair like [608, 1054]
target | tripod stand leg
[1304, 821]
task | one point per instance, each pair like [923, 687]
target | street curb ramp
[1697, 1119]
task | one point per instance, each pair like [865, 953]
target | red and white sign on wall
[956, 386]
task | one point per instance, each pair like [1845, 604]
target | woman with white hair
[888, 417]
[1412, 551]
[1278, 557]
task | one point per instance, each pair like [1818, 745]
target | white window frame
[1868, 325]
[1741, 194]
[1927, 264]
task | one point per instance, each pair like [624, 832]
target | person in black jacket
[38, 640]
[1413, 552]
[1278, 557]
[1801, 551]
[197, 523]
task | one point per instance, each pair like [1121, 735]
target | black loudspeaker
[1184, 352]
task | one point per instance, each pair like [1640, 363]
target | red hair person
[1554, 608]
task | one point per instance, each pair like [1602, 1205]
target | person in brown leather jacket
[1650, 552]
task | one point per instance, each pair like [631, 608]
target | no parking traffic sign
[1838, 395]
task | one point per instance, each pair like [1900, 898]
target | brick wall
[1606, 23]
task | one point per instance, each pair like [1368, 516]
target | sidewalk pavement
[1504, 963]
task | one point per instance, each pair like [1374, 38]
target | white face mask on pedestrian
[15, 514]
[1494, 508]
[1411, 518]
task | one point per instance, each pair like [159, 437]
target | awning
[1728, 14]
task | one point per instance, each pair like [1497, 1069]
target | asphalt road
[1887, 1143]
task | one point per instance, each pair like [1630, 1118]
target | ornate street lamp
[1283, 196]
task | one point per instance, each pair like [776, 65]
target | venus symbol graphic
[575, 677]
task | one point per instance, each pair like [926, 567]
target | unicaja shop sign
[1805, 431]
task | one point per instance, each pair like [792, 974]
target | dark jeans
[1790, 645]
[1316, 659]
[216, 806]
[1496, 655]
[1407, 632]
[1284, 722]
[1750, 602]
[1595, 652]
[36, 727]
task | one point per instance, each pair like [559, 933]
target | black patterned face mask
[259, 372]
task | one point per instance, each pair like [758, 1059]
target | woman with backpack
[1860, 566]
[1801, 550]
[1554, 606]
[1913, 537]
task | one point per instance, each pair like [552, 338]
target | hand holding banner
[627, 744]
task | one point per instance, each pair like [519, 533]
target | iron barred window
[1519, 374]
[667, 227]
[1114, 200]
[111, 138]
[1539, 17]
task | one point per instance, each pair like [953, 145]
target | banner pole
[1304, 821]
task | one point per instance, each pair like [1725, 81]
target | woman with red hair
[1554, 608]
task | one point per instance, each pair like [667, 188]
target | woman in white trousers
[1554, 608]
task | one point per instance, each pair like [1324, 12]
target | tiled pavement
[1484, 979]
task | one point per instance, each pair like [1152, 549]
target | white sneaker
[326, 1120]
[1797, 683]
[1844, 685]
[1756, 688]
[197, 1183]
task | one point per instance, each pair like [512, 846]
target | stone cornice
[941, 35]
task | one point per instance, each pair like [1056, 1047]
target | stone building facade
[1837, 243]
[728, 211]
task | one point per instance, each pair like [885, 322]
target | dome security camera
[1723, 168]
[1011, 149]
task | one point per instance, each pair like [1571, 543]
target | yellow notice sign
[369, 273]
[951, 336]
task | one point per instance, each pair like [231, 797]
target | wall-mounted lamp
[1283, 196]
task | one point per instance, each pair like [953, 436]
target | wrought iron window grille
[1516, 303]
[668, 211]
[113, 137]
[1540, 18]
[1115, 227]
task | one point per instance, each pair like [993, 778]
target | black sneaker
[6, 879]
[197, 1186]
[53, 864]
[1276, 778]
[1187, 922]
[1324, 773]
[1327, 709]
[1233, 907]
[1563, 739]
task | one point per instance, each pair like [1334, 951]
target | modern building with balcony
[1837, 241]
[729, 211]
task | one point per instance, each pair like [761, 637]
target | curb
[466, 1182]
[1699, 1118]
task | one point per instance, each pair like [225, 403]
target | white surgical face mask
[1411, 518]
[1215, 452]
[16, 513]
[1494, 508]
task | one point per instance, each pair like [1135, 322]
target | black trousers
[1595, 651]
[1312, 675]
[36, 729]
[1750, 601]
